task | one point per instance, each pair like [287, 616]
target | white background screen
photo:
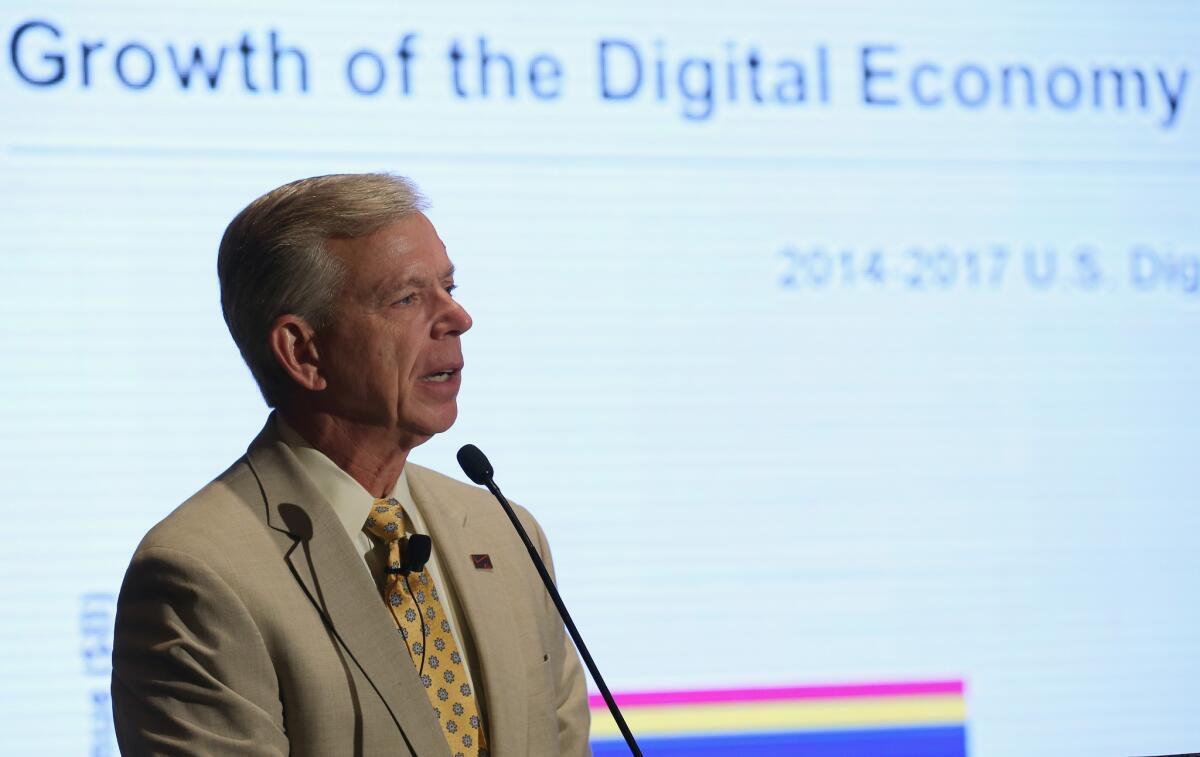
[830, 343]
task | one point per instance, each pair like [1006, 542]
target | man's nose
[455, 319]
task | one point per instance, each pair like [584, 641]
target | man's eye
[450, 289]
[406, 300]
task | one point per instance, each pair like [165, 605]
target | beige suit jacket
[247, 625]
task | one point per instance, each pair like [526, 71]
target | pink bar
[841, 691]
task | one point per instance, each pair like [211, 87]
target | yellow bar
[817, 714]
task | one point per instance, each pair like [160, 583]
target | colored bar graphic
[926, 718]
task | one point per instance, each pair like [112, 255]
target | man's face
[392, 356]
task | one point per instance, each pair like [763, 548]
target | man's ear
[294, 345]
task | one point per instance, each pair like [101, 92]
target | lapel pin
[482, 562]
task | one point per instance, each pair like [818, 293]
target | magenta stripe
[782, 693]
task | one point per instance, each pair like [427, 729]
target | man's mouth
[441, 376]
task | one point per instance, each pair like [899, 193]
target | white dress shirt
[352, 504]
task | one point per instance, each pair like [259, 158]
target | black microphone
[475, 464]
[413, 557]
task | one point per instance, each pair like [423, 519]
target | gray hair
[273, 260]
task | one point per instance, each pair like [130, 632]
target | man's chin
[428, 428]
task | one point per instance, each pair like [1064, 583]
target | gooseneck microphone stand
[475, 464]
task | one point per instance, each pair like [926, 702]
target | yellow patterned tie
[425, 628]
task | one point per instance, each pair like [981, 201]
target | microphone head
[475, 464]
[416, 551]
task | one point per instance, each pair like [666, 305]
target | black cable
[421, 620]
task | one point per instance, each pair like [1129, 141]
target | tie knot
[387, 520]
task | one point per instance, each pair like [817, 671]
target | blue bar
[942, 741]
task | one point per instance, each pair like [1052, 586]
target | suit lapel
[324, 561]
[458, 531]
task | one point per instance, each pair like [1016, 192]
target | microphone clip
[413, 555]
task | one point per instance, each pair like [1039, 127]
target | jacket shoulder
[445, 485]
[477, 500]
[209, 524]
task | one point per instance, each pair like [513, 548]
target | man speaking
[288, 608]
